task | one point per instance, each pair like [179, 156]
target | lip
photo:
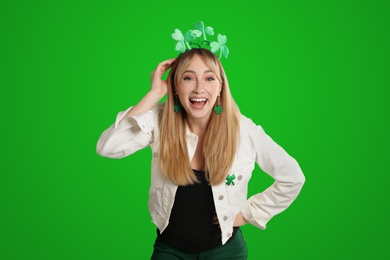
[198, 103]
[198, 99]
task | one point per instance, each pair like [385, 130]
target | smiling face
[197, 89]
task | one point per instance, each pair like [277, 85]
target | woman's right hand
[160, 86]
[158, 90]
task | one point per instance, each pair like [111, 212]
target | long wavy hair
[222, 134]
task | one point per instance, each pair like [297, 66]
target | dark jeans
[234, 249]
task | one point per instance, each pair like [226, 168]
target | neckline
[198, 170]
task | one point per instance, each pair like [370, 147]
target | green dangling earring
[177, 106]
[218, 109]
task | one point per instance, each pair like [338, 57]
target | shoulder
[157, 110]
[247, 123]
[250, 128]
[160, 106]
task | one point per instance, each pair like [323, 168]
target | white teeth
[198, 99]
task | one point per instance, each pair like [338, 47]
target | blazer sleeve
[286, 172]
[128, 134]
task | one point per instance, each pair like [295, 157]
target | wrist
[239, 221]
[156, 94]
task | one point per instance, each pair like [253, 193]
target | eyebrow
[191, 71]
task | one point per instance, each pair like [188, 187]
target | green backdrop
[314, 74]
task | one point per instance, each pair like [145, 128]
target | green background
[314, 74]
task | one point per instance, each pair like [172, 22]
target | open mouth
[198, 103]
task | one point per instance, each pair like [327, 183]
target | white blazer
[130, 134]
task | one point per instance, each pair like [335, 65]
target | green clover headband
[194, 37]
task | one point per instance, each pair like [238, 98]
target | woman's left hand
[239, 221]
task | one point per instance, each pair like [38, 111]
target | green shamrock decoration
[218, 109]
[194, 38]
[220, 45]
[229, 179]
[208, 30]
[177, 107]
[180, 45]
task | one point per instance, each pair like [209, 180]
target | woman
[204, 152]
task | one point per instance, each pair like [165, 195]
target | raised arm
[157, 91]
[133, 128]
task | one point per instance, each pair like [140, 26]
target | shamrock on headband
[198, 37]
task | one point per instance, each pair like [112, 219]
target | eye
[210, 79]
[187, 78]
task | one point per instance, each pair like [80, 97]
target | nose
[198, 88]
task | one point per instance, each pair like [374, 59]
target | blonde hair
[221, 139]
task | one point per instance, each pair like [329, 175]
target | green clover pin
[229, 179]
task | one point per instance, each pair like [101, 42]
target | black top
[191, 225]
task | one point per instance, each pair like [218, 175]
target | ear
[220, 88]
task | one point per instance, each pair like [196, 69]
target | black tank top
[191, 225]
